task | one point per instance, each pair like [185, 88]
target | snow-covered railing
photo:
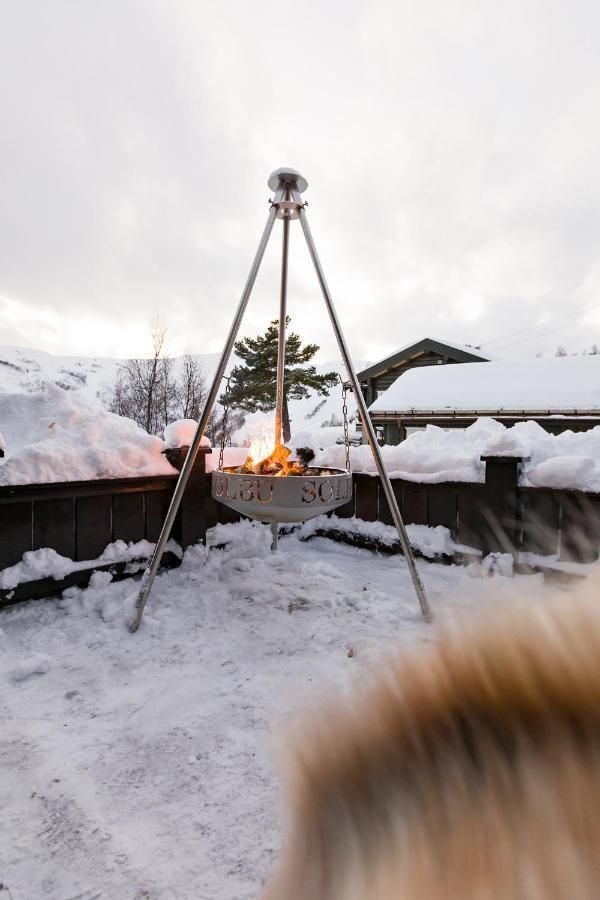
[87, 524]
[497, 516]
[79, 520]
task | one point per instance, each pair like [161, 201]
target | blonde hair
[469, 769]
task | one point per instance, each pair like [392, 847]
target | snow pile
[47, 563]
[431, 541]
[432, 455]
[58, 435]
[34, 664]
[558, 384]
[317, 438]
[181, 434]
[567, 460]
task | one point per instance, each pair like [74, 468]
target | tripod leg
[281, 341]
[364, 415]
[150, 573]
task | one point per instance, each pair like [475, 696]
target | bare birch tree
[152, 393]
[191, 389]
[145, 390]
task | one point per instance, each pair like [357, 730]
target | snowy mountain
[25, 370]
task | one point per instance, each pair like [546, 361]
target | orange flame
[265, 459]
[261, 447]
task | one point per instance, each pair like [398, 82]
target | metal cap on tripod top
[291, 176]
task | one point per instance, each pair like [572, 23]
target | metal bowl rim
[334, 473]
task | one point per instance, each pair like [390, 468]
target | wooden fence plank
[192, 512]
[366, 491]
[94, 525]
[500, 526]
[540, 522]
[69, 489]
[128, 517]
[385, 514]
[443, 508]
[54, 526]
[157, 504]
[16, 532]
[580, 520]
[414, 503]
[470, 523]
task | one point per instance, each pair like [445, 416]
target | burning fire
[261, 447]
[266, 459]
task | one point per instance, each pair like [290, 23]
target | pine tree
[253, 385]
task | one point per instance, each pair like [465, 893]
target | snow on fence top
[557, 385]
[567, 460]
[58, 435]
[181, 434]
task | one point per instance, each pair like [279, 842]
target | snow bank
[58, 435]
[567, 460]
[47, 563]
[317, 438]
[431, 541]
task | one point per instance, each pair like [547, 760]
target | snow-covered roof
[421, 346]
[556, 385]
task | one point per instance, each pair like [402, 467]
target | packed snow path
[144, 767]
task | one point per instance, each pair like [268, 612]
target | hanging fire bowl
[290, 498]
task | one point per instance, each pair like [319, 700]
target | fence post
[501, 532]
[192, 524]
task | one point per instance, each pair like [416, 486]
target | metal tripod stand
[287, 183]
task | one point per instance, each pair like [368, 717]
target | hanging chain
[345, 415]
[224, 424]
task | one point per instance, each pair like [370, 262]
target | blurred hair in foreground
[470, 769]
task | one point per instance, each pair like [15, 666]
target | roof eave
[469, 413]
[415, 349]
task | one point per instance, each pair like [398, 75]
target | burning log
[269, 467]
[305, 455]
[277, 464]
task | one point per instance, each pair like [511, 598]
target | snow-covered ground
[144, 767]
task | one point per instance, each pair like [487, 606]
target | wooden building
[559, 393]
[375, 380]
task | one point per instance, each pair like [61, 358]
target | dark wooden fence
[496, 516]
[79, 519]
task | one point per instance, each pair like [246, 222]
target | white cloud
[451, 152]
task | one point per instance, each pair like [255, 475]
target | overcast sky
[452, 151]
